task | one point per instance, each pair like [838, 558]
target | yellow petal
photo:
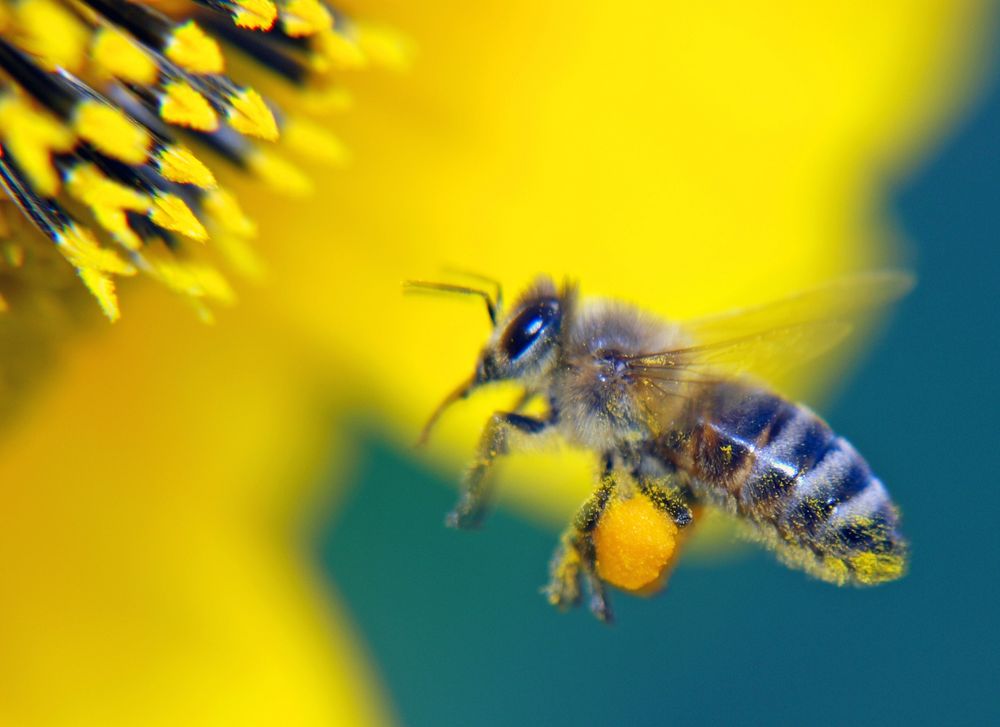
[157, 528]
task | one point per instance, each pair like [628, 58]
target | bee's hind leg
[495, 442]
[670, 494]
[574, 559]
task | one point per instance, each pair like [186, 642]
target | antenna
[427, 286]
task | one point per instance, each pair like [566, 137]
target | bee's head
[525, 340]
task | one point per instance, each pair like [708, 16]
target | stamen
[304, 17]
[191, 49]
[182, 105]
[94, 264]
[278, 173]
[171, 213]
[51, 33]
[311, 139]
[93, 93]
[119, 57]
[111, 131]
[249, 115]
[262, 48]
[179, 165]
[224, 210]
[32, 136]
[249, 14]
[185, 43]
[108, 201]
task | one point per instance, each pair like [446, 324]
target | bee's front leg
[495, 442]
[575, 559]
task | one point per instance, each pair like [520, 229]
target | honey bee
[680, 419]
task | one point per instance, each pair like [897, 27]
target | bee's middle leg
[575, 559]
[495, 442]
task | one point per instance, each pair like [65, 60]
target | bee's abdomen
[783, 468]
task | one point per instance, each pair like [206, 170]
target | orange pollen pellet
[634, 542]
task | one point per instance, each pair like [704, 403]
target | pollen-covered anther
[634, 542]
[32, 136]
[188, 277]
[171, 213]
[112, 132]
[224, 210]
[51, 34]
[178, 164]
[254, 14]
[114, 54]
[194, 50]
[81, 248]
[249, 114]
[304, 17]
[95, 93]
[94, 265]
[279, 173]
[314, 141]
[182, 105]
[383, 46]
[338, 50]
[108, 201]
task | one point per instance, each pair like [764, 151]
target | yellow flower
[687, 156]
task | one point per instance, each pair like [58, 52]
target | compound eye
[528, 326]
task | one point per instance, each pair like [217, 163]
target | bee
[680, 420]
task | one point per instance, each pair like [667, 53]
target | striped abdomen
[781, 467]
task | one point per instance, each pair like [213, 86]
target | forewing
[846, 300]
[764, 341]
[770, 351]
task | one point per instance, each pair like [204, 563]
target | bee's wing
[763, 354]
[844, 299]
[768, 340]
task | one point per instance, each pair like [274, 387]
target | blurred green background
[461, 636]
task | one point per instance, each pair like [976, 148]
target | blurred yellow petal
[151, 494]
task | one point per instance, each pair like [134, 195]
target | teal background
[461, 636]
